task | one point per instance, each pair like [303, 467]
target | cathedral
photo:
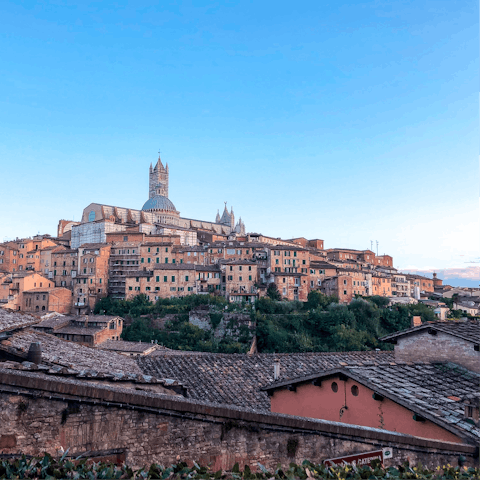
[157, 216]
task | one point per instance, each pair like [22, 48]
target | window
[284, 280]
[148, 260]
[344, 292]
[173, 278]
[186, 278]
[335, 386]
[344, 282]
[166, 260]
[165, 279]
[354, 390]
[157, 278]
[142, 260]
[239, 279]
[137, 279]
[284, 291]
[91, 216]
[230, 277]
[148, 249]
[250, 277]
[125, 238]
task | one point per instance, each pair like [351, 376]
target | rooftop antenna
[371, 245]
[377, 247]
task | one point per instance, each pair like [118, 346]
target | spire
[159, 164]
[151, 167]
[225, 209]
[217, 218]
[166, 167]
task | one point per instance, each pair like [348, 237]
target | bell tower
[158, 179]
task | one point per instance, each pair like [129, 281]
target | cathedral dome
[158, 202]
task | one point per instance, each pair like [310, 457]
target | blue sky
[346, 121]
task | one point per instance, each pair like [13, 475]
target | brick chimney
[416, 321]
[276, 369]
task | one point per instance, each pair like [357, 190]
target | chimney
[416, 321]
[276, 369]
[35, 353]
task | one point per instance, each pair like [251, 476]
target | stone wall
[425, 347]
[231, 325]
[38, 414]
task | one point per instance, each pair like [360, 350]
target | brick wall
[50, 414]
[441, 347]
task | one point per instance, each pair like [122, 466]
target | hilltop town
[71, 384]
[122, 252]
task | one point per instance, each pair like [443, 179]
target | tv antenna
[377, 247]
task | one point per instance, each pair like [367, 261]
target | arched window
[91, 216]
[43, 307]
[36, 308]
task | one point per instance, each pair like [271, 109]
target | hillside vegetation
[320, 324]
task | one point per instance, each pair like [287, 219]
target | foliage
[317, 299]
[141, 305]
[272, 292]
[48, 467]
[317, 325]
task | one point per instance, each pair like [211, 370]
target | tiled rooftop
[129, 347]
[12, 320]
[467, 330]
[72, 355]
[237, 379]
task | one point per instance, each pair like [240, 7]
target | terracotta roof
[432, 390]
[237, 379]
[70, 354]
[127, 347]
[53, 322]
[13, 321]
[468, 330]
[72, 330]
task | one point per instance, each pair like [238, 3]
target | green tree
[272, 292]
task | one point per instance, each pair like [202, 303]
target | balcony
[79, 304]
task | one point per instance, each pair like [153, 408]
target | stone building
[163, 281]
[240, 278]
[54, 299]
[23, 254]
[91, 282]
[14, 285]
[90, 330]
[65, 266]
[158, 215]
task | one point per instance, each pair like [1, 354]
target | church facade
[157, 216]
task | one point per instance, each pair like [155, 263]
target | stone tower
[158, 180]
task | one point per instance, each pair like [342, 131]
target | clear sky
[346, 121]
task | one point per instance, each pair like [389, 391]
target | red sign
[360, 458]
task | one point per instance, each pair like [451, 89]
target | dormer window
[472, 412]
